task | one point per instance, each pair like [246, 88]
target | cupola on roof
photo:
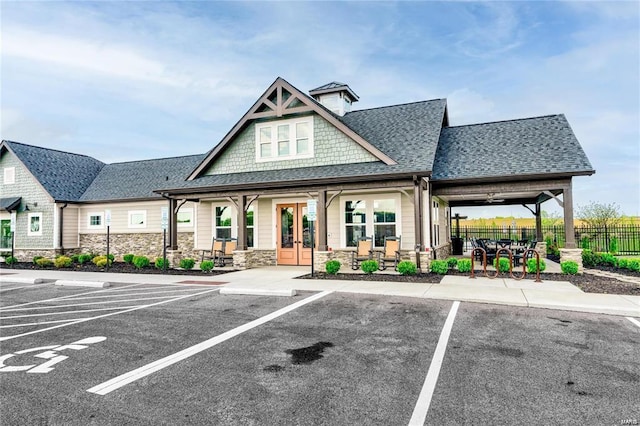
[335, 96]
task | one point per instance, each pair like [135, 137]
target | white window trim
[234, 221]
[369, 199]
[130, 213]
[186, 225]
[29, 232]
[293, 155]
[90, 226]
[9, 177]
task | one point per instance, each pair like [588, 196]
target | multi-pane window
[226, 225]
[250, 221]
[35, 224]
[284, 139]
[435, 217]
[223, 222]
[355, 218]
[384, 217]
[96, 220]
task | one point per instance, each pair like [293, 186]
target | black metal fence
[621, 239]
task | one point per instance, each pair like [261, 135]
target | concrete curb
[258, 291]
[23, 280]
[96, 284]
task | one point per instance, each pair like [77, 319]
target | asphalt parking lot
[184, 354]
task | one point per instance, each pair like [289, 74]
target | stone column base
[174, 257]
[572, 254]
[541, 247]
[320, 258]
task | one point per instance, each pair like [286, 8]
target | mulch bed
[116, 267]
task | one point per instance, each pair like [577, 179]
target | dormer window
[284, 140]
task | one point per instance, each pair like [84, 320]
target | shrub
[161, 262]
[369, 266]
[504, 264]
[84, 258]
[407, 267]
[585, 242]
[140, 261]
[36, 258]
[608, 259]
[111, 258]
[633, 265]
[613, 245]
[101, 261]
[589, 258]
[187, 263]
[332, 267]
[532, 265]
[74, 258]
[43, 262]
[10, 260]
[62, 262]
[569, 267]
[464, 265]
[452, 262]
[128, 258]
[206, 265]
[439, 267]
[623, 263]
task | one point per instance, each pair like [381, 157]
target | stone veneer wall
[572, 254]
[254, 258]
[443, 251]
[146, 244]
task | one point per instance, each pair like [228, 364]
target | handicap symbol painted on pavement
[51, 353]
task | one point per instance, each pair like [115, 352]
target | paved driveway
[149, 354]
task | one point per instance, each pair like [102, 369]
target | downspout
[60, 226]
[430, 208]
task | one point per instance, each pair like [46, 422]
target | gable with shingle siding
[331, 147]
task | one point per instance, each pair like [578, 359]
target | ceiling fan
[492, 200]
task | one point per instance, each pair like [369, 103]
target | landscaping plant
[464, 265]
[84, 258]
[101, 261]
[369, 266]
[569, 267]
[62, 262]
[452, 262]
[532, 265]
[43, 262]
[504, 264]
[128, 258]
[332, 267]
[161, 263]
[407, 267]
[10, 260]
[187, 263]
[439, 267]
[206, 265]
[36, 258]
[140, 261]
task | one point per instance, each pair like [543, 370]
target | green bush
[407, 267]
[569, 267]
[43, 262]
[439, 267]
[206, 265]
[101, 261]
[369, 266]
[332, 267]
[161, 262]
[464, 265]
[585, 242]
[589, 258]
[10, 260]
[84, 258]
[504, 264]
[532, 265]
[608, 259]
[36, 258]
[633, 265]
[140, 261]
[62, 262]
[613, 245]
[187, 263]
[623, 263]
[74, 258]
[111, 258]
[452, 262]
[128, 258]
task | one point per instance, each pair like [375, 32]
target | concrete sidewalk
[560, 295]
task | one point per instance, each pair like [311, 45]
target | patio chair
[390, 253]
[364, 251]
[217, 249]
[519, 257]
[226, 255]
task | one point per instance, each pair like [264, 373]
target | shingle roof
[530, 146]
[138, 179]
[333, 87]
[65, 176]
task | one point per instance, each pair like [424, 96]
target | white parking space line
[145, 293]
[635, 321]
[81, 311]
[424, 399]
[132, 376]
[3, 289]
[104, 302]
[31, 324]
[106, 315]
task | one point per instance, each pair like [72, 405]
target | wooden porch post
[321, 227]
[242, 222]
[538, 222]
[569, 233]
[173, 224]
[417, 215]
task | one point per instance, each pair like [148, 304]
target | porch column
[569, 233]
[321, 222]
[417, 218]
[173, 224]
[242, 222]
[538, 223]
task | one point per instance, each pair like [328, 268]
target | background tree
[551, 219]
[599, 215]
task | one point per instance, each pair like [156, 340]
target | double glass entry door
[293, 234]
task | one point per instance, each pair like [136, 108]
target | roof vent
[335, 96]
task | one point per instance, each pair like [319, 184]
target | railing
[621, 239]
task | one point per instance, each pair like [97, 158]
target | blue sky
[124, 81]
